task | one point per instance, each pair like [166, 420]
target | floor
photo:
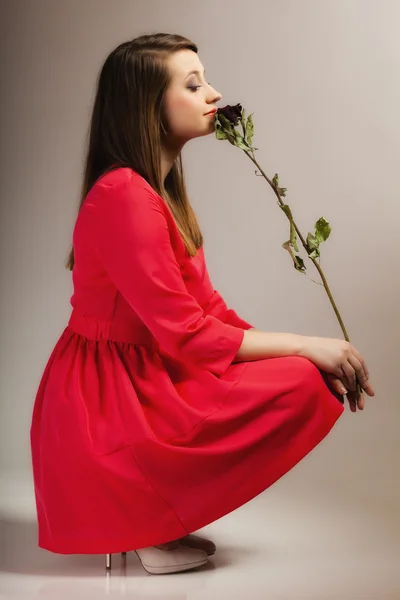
[291, 542]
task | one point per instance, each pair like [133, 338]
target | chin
[210, 128]
[200, 132]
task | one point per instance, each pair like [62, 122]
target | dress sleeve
[131, 236]
[227, 315]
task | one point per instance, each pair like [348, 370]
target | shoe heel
[108, 560]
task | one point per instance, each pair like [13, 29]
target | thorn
[317, 282]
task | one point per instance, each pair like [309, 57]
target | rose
[232, 113]
[226, 121]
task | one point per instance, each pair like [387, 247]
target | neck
[168, 157]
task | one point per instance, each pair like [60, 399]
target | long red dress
[143, 428]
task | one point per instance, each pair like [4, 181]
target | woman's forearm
[262, 344]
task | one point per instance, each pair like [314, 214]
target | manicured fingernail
[343, 390]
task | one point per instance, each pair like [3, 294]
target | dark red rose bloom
[232, 113]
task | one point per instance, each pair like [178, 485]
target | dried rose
[232, 113]
[226, 121]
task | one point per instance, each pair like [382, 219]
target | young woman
[160, 410]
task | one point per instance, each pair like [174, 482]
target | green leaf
[240, 142]
[322, 229]
[322, 232]
[275, 180]
[314, 254]
[243, 121]
[287, 247]
[250, 129]
[287, 211]
[226, 124]
[298, 262]
[313, 244]
[220, 134]
[293, 236]
[231, 138]
[227, 131]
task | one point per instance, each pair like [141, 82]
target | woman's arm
[128, 227]
[219, 308]
[257, 345]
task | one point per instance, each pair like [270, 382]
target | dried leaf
[250, 129]
[322, 229]
[297, 260]
[293, 236]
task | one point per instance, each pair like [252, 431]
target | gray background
[323, 81]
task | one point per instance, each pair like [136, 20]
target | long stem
[304, 243]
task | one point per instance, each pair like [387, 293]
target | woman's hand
[341, 359]
[339, 390]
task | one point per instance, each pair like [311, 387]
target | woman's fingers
[356, 371]
[353, 403]
[338, 388]
[368, 389]
[362, 361]
[359, 368]
[337, 385]
[361, 402]
[350, 375]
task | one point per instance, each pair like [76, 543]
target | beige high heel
[167, 558]
[161, 560]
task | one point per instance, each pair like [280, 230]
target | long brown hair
[127, 126]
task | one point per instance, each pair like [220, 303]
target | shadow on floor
[20, 554]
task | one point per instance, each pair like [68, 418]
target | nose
[214, 96]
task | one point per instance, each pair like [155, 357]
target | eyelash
[194, 88]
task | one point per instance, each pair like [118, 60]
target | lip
[212, 112]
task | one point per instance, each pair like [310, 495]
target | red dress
[143, 428]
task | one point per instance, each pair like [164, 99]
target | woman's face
[188, 98]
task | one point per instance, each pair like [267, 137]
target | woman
[160, 410]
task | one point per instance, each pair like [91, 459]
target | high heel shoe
[195, 541]
[170, 558]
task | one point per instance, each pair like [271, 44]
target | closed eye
[194, 88]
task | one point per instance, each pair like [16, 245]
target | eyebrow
[194, 72]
